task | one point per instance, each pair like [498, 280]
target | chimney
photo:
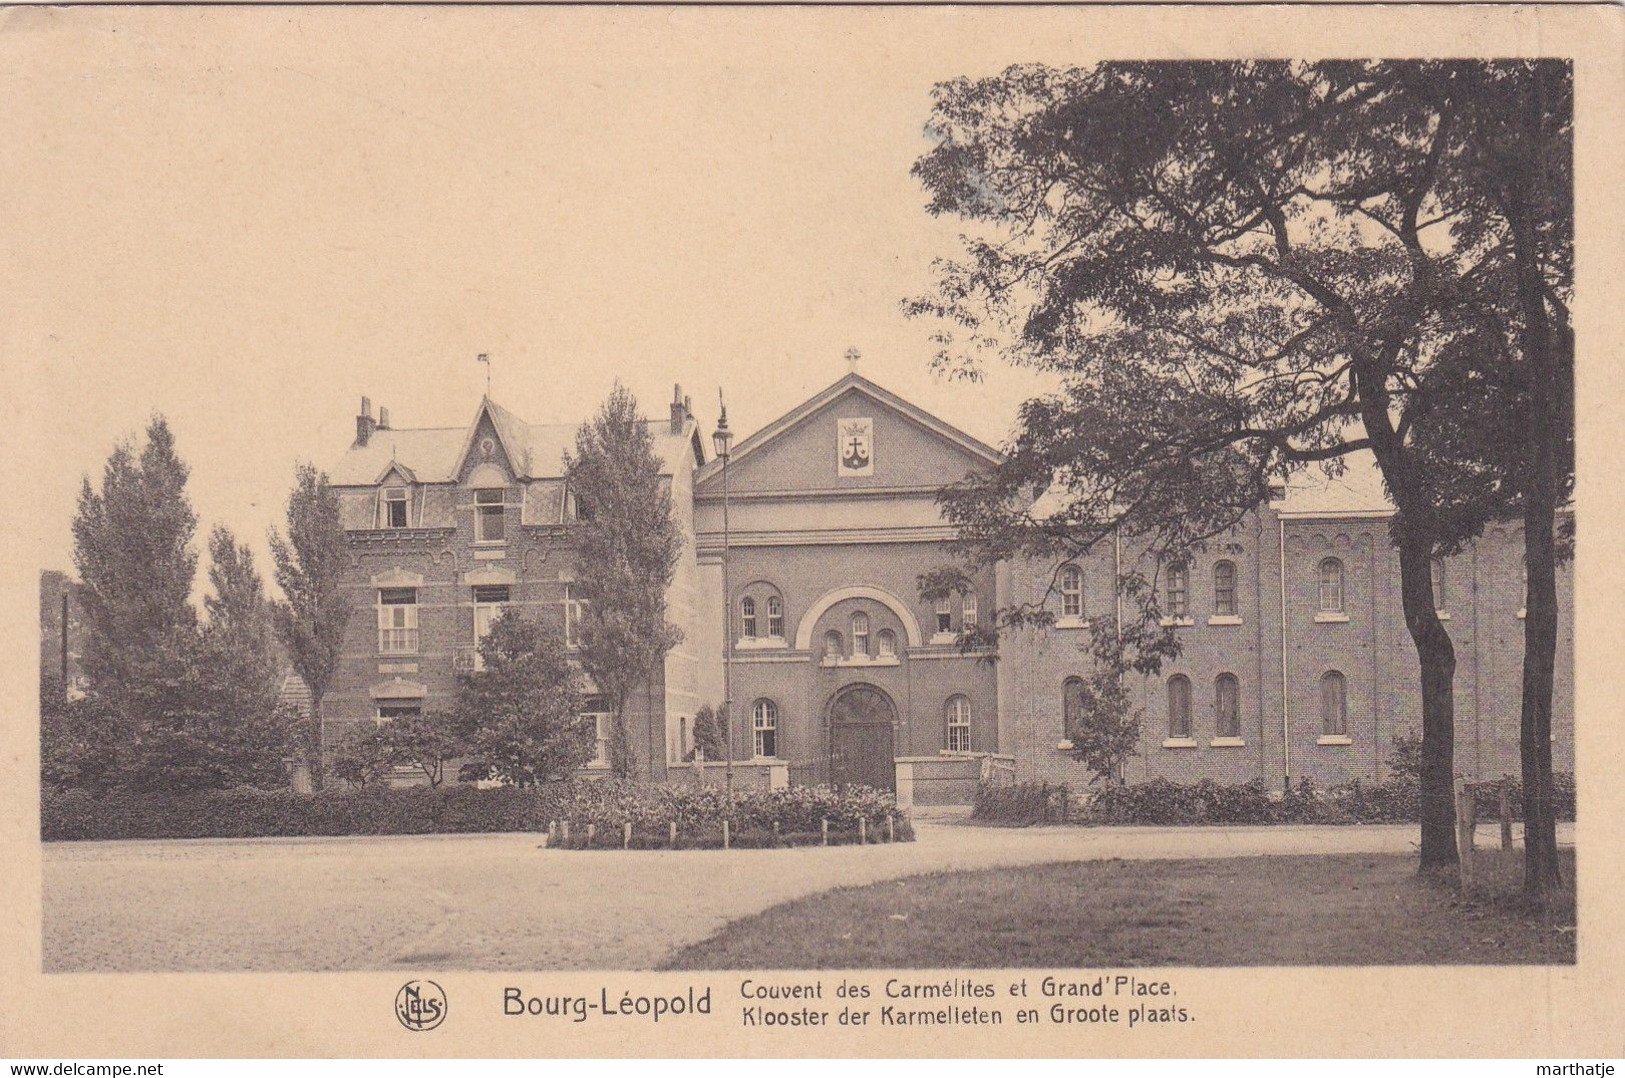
[679, 410]
[383, 418]
[364, 425]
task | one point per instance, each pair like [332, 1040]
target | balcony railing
[398, 641]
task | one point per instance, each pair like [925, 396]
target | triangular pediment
[854, 436]
[495, 440]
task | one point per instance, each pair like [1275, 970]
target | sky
[248, 219]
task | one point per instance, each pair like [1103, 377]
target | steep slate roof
[913, 412]
[433, 454]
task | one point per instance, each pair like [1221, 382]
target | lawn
[1255, 911]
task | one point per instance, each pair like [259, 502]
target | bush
[1161, 802]
[607, 805]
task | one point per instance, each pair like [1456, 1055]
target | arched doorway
[861, 721]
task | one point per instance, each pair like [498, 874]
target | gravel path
[496, 902]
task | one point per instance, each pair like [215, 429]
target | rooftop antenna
[485, 358]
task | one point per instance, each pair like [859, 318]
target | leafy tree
[310, 565]
[81, 741]
[710, 732]
[362, 756]
[194, 733]
[133, 551]
[520, 716]
[427, 742]
[1104, 725]
[1235, 271]
[1516, 196]
[626, 543]
[238, 640]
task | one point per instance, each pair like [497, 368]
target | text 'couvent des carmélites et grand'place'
[1295, 659]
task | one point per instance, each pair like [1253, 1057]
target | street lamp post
[722, 442]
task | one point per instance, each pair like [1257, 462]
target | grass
[1354, 910]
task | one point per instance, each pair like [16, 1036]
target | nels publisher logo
[420, 1005]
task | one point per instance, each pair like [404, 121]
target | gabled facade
[449, 526]
[838, 667]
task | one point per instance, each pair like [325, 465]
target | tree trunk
[1437, 656]
[1543, 483]
[312, 738]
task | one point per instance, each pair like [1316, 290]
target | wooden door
[861, 750]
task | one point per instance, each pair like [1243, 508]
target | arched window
[1224, 589]
[1437, 568]
[1227, 706]
[860, 634]
[1334, 705]
[1178, 590]
[957, 713]
[1179, 706]
[764, 724]
[1071, 591]
[1071, 706]
[775, 617]
[886, 641]
[747, 618]
[1331, 586]
[945, 615]
[832, 645]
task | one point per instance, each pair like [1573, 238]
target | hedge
[606, 804]
[1162, 802]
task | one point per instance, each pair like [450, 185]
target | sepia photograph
[550, 492]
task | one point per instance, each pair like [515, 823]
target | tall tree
[519, 716]
[1235, 271]
[311, 619]
[626, 545]
[1516, 154]
[239, 643]
[133, 551]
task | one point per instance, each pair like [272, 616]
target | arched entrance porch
[862, 721]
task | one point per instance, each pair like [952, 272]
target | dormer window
[394, 507]
[489, 516]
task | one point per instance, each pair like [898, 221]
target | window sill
[1325, 618]
[1227, 743]
[490, 553]
[1072, 623]
[1180, 743]
[1224, 619]
[1521, 613]
[1168, 623]
[1063, 746]
[760, 643]
[1334, 739]
[1441, 615]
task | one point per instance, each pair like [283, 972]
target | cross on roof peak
[852, 357]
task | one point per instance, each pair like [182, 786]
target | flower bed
[606, 805]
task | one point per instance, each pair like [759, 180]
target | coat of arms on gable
[854, 447]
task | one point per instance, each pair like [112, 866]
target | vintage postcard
[780, 531]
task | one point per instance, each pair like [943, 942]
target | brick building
[1296, 659]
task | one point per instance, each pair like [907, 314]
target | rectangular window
[596, 710]
[398, 710]
[489, 516]
[775, 617]
[958, 709]
[765, 729]
[572, 619]
[398, 621]
[747, 618]
[489, 600]
[945, 616]
[1071, 592]
[395, 507]
[969, 611]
